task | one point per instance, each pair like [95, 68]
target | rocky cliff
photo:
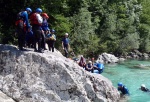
[27, 76]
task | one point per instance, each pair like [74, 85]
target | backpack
[19, 16]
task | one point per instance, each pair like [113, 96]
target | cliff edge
[28, 76]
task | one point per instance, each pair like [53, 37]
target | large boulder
[27, 76]
[108, 58]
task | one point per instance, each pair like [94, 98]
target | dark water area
[132, 73]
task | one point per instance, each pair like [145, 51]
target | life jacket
[34, 19]
[20, 24]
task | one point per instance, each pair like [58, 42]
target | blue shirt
[65, 41]
[45, 25]
[24, 14]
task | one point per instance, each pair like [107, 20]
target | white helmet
[66, 33]
[90, 62]
[143, 86]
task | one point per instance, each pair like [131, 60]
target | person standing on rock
[45, 28]
[51, 41]
[124, 90]
[22, 25]
[36, 22]
[66, 45]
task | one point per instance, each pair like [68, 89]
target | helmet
[45, 15]
[28, 9]
[66, 33]
[39, 10]
[120, 84]
[53, 30]
[143, 85]
[90, 61]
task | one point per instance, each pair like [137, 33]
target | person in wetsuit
[143, 88]
[124, 90]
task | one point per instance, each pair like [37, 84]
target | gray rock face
[5, 98]
[108, 58]
[28, 76]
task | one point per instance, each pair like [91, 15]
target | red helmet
[45, 15]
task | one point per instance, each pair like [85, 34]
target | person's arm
[126, 91]
[68, 44]
[39, 18]
[62, 44]
[54, 37]
[25, 15]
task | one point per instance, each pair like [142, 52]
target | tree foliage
[94, 26]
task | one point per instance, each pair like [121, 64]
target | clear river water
[132, 73]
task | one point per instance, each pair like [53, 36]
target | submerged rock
[142, 66]
[27, 76]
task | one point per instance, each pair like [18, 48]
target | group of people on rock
[124, 90]
[91, 65]
[32, 30]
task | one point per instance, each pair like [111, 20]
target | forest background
[94, 26]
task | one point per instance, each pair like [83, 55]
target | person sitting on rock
[143, 88]
[124, 90]
[82, 62]
[89, 66]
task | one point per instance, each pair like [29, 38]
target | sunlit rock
[28, 76]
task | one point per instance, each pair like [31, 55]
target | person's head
[93, 59]
[45, 16]
[143, 86]
[66, 34]
[29, 10]
[120, 84]
[53, 31]
[90, 62]
[38, 10]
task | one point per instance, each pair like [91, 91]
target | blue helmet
[120, 84]
[39, 10]
[28, 9]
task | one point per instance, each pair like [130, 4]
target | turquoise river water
[132, 76]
